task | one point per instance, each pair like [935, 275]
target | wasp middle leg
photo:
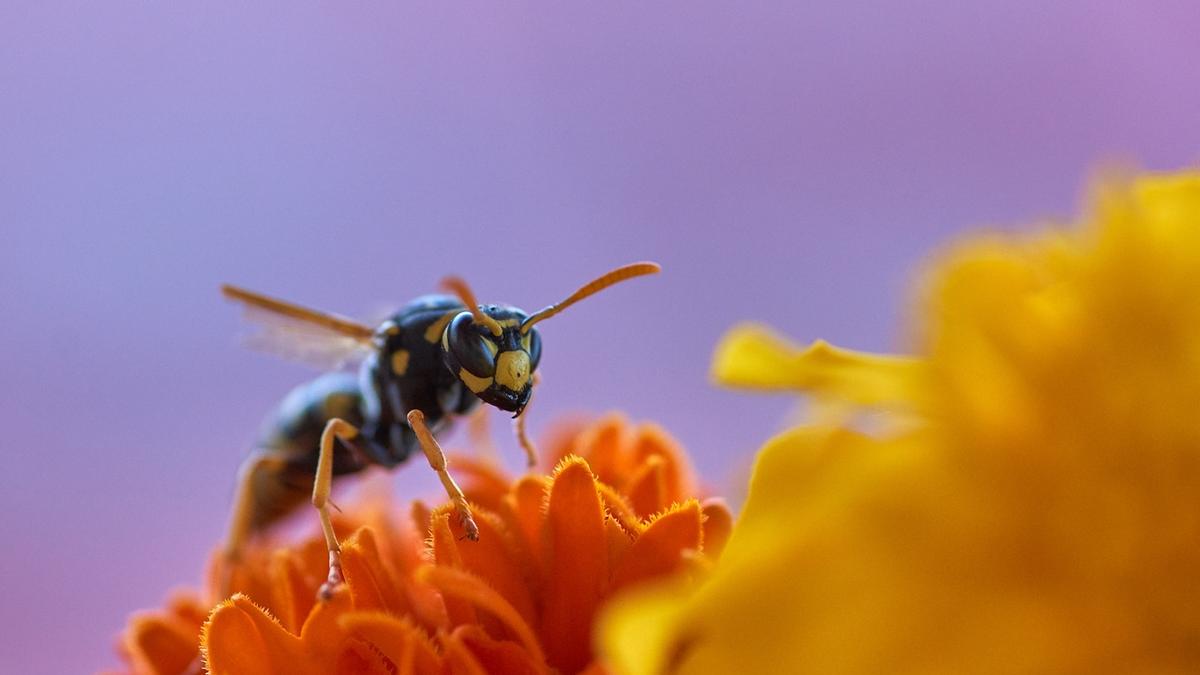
[335, 429]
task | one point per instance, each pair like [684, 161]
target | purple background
[783, 163]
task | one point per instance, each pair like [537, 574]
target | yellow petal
[636, 630]
[756, 357]
[752, 614]
[718, 523]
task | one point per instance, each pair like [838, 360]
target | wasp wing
[320, 339]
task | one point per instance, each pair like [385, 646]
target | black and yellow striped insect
[434, 359]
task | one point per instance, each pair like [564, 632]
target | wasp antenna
[459, 287]
[591, 288]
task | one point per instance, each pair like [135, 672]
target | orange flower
[617, 508]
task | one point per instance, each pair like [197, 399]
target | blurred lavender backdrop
[786, 163]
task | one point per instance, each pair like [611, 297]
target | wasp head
[496, 368]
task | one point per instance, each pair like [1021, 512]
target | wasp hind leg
[258, 480]
[437, 461]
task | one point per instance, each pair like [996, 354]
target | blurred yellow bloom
[1034, 506]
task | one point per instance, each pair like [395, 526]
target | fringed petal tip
[617, 508]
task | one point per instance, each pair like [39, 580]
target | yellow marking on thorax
[475, 383]
[400, 361]
[338, 405]
[435, 330]
[512, 369]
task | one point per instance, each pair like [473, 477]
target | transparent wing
[302, 342]
[322, 340]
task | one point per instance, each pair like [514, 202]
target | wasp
[433, 360]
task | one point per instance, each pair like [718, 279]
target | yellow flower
[1031, 501]
[619, 508]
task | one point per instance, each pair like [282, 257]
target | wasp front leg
[522, 434]
[437, 461]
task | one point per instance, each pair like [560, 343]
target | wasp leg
[523, 436]
[247, 510]
[334, 429]
[519, 428]
[480, 434]
[437, 461]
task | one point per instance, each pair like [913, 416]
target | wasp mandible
[433, 360]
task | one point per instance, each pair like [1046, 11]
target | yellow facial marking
[400, 361]
[526, 342]
[512, 369]
[435, 330]
[475, 383]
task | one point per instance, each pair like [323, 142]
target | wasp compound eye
[470, 346]
[532, 343]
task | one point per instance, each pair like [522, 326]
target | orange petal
[651, 440]
[371, 583]
[187, 607]
[577, 564]
[161, 644]
[647, 487]
[618, 509]
[619, 540]
[293, 592]
[360, 658]
[321, 634]
[498, 656]
[525, 502]
[446, 554]
[399, 640]
[464, 585]
[718, 523]
[420, 516]
[494, 558]
[560, 440]
[661, 548]
[241, 639]
[603, 445]
[484, 482]
[459, 659]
